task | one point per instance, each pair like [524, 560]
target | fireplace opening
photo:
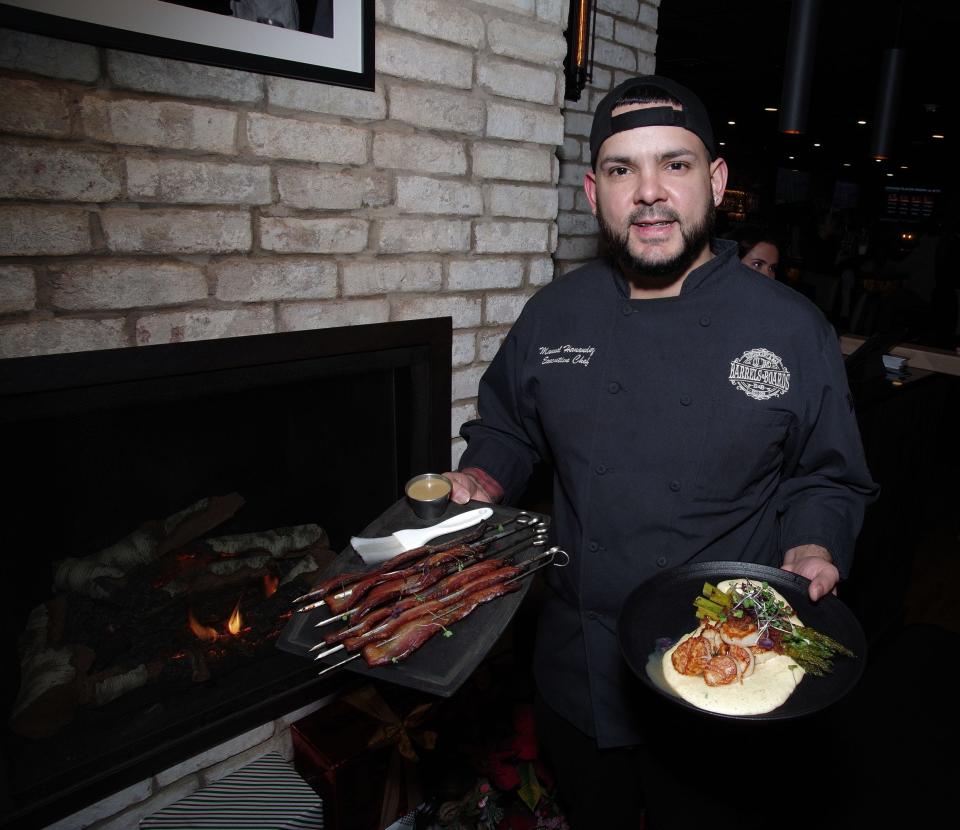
[164, 505]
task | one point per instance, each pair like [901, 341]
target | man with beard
[692, 411]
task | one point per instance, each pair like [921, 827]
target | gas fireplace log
[100, 575]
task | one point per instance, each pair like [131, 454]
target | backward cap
[692, 117]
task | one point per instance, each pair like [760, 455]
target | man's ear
[590, 188]
[718, 180]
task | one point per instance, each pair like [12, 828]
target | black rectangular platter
[442, 664]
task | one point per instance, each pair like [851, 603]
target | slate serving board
[442, 664]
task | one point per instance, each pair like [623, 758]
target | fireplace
[300, 439]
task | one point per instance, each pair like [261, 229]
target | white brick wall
[147, 200]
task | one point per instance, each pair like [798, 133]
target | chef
[691, 409]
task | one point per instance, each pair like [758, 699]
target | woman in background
[758, 250]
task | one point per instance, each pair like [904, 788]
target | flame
[270, 583]
[235, 623]
[203, 632]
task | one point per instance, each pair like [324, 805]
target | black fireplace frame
[31, 386]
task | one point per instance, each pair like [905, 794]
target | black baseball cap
[692, 117]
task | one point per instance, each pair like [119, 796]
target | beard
[659, 272]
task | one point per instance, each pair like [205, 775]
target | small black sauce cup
[428, 495]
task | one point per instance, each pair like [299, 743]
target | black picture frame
[177, 30]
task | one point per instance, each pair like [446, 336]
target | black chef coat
[715, 425]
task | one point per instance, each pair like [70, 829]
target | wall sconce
[578, 64]
[798, 69]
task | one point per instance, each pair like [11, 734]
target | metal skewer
[548, 556]
[522, 519]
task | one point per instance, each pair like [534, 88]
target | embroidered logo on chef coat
[760, 374]
[580, 355]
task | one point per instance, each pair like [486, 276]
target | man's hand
[816, 564]
[474, 483]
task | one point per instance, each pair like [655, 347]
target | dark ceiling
[733, 55]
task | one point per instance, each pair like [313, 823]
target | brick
[42, 231]
[528, 202]
[109, 284]
[578, 123]
[277, 278]
[464, 348]
[166, 124]
[457, 449]
[649, 15]
[576, 224]
[540, 271]
[419, 194]
[406, 56]
[464, 382]
[419, 152]
[504, 309]
[300, 316]
[107, 807]
[635, 36]
[431, 109]
[519, 6]
[160, 231]
[220, 752]
[459, 415]
[513, 80]
[289, 235]
[566, 195]
[603, 27]
[399, 236]
[572, 174]
[615, 55]
[646, 64]
[520, 123]
[198, 182]
[440, 19]
[489, 342]
[309, 96]
[623, 8]
[48, 56]
[130, 818]
[512, 237]
[463, 309]
[204, 324]
[18, 290]
[146, 73]
[577, 247]
[62, 335]
[488, 272]
[542, 45]
[288, 138]
[31, 108]
[570, 149]
[381, 277]
[60, 174]
[309, 189]
[581, 202]
[499, 161]
[553, 11]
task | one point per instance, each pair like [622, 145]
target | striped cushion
[267, 794]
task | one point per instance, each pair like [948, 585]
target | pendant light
[798, 67]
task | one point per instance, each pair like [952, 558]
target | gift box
[359, 754]
[266, 794]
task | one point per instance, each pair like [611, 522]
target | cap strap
[649, 117]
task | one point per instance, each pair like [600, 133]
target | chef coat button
[625, 310]
[592, 615]
[593, 546]
[675, 486]
[661, 561]
[601, 469]
[705, 320]
[685, 400]
[613, 388]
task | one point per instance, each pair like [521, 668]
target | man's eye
[618, 171]
[677, 165]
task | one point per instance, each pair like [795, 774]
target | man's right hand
[474, 484]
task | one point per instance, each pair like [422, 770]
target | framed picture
[315, 40]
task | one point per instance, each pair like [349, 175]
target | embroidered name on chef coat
[760, 374]
[575, 355]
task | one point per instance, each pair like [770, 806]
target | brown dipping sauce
[428, 488]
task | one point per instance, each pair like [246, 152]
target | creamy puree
[774, 678]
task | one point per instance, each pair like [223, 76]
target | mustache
[653, 214]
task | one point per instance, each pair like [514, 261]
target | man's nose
[649, 190]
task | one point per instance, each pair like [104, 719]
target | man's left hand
[816, 564]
